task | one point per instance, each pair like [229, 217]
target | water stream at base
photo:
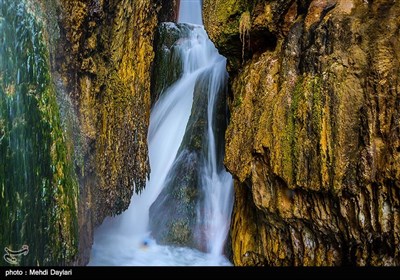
[125, 240]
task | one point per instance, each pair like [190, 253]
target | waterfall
[190, 12]
[216, 182]
[175, 155]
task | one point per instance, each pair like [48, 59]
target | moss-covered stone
[313, 139]
[224, 19]
[167, 65]
[99, 54]
[106, 67]
[104, 58]
[173, 214]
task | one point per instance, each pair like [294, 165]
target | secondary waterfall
[127, 239]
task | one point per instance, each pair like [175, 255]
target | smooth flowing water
[125, 240]
[190, 12]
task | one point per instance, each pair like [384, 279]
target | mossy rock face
[38, 186]
[167, 65]
[102, 53]
[224, 22]
[313, 139]
[105, 65]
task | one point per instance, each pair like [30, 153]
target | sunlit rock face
[313, 140]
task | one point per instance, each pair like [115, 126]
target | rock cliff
[74, 138]
[105, 64]
[104, 60]
[314, 135]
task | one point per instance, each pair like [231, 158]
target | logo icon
[12, 256]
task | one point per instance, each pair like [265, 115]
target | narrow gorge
[187, 202]
[132, 135]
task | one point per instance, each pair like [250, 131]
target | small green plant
[244, 30]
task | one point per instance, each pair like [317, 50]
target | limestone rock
[167, 65]
[314, 138]
[103, 55]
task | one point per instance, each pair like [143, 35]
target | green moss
[290, 140]
[223, 20]
[316, 89]
[238, 100]
[305, 111]
[167, 67]
[39, 190]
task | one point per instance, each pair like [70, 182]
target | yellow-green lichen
[113, 94]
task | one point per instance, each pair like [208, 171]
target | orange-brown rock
[104, 58]
[314, 135]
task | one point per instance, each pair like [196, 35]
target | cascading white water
[119, 240]
[216, 182]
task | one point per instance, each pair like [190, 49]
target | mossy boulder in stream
[173, 214]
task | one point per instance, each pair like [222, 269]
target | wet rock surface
[313, 140]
